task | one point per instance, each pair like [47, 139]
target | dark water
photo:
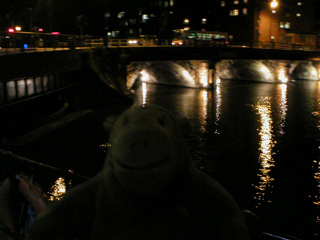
[261, 141]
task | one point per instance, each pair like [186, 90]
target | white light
[133, 41]
[314, 72]
[204, 75]
[144, 93]
[187, 75]
[282, 76]
[144, 75]
[274, 4]
[145, 16]
[218, 81]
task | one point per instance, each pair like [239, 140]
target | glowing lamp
[55, 33]
[11, 30]
[40, 29]
[274, 4]
[18, 28]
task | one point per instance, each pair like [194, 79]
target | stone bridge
[200, 67]
[27, 75]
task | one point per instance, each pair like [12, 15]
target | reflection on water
[316, 167]
[218, 100]
[204, 114]
[144, 93]
[58, 189]
[263, 108]
[316, 198]
[283, 106]
[236, 130]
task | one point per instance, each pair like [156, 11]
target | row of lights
[18, 29]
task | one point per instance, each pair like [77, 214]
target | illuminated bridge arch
[178, 73]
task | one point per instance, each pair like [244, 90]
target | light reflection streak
[283, 107]
[266, 161]
[204, 114]
[316, 167]
[58, 189]
[218, 105]
[316, 200]
[144, 93]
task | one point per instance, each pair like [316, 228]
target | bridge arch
[177, 73]
[189, 73]
[248, 70]
[305, 71]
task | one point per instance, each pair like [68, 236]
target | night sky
[60, 15]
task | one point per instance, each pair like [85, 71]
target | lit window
[223, 3]
[245, 11]
[281, 24]
[235, 2]
[171, 3]
[274, 11]
[145, 17]
[245, 1]
[186, 21]
[287, 25]
[298, 14]
[204, 20]
[234, 12]
[121, 14]
[299, 3]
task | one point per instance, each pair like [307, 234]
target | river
[259, 140]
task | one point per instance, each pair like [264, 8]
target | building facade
[272, 22]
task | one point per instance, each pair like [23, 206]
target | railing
[19, 42]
